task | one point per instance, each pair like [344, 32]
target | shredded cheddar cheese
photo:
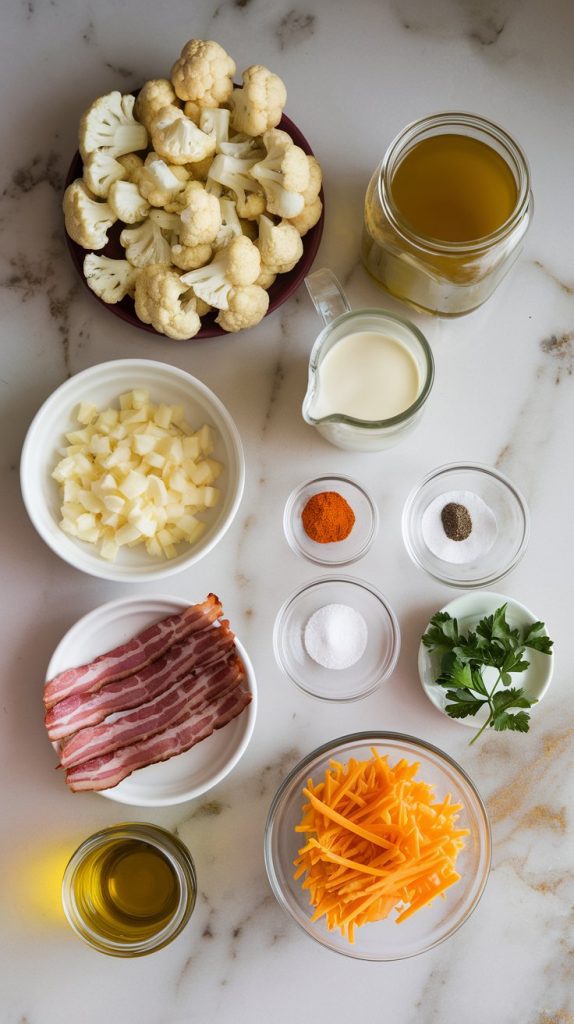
[376, 841]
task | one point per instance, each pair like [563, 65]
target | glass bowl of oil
[130, 889]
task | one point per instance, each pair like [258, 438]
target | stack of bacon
[147, 700]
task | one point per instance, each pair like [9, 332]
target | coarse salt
[336, 636]
[480, 539]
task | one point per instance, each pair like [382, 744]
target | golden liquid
[126, 890]
[454, 188]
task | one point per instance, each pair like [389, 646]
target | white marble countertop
[355, 74]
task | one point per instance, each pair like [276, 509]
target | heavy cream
[367, 375]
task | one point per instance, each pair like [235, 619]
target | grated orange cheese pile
[376, 841]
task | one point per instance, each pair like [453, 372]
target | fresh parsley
[464, 657]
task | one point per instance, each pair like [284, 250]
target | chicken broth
[453, 188]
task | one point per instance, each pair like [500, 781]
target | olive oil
[453, 188]
[126, 890]
[129, 889]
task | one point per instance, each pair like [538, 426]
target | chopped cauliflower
[177, 139]
[258, 105]
[100, 171]
[236, 265]
[308, 217]
[246, 307]
[200, 218]
[87, 221]
[145, 245]
[283, 174]
[162, 300]
[127, 203]
[230, 223]
[280, 245]
[234, 174]
[203, 73]
[133, 164]
[109, 124]
[152, 97]
[190, 257]
[158, 182]
[111, 280]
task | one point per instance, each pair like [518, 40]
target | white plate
[468, 610]
[187, 775]
[102, 385]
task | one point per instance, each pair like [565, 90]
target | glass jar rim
[180, 860]
[514, 156]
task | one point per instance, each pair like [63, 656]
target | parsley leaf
[493, 644]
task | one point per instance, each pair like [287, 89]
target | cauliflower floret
[163, 301]
[169, 223]
[200, 169]
[280, 245]
[259, 104]
[145, 245]
[100, 171]
[237, 265]
[203, 73]
[215, 121]
[283, 174]
[285, 163]
[180, 201]
[266, 277]
[158, 182]
[233, 174]
[315, 181]
[200, 218]
[87, 221]
[110, 279]
[190, 257]
[246, 307]
[152, 97]
[132, 164]
[127, 203]
[230, 224]
[109, 125]
[308, 217]
[176, 138]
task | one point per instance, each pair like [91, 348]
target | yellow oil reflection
[38, 883]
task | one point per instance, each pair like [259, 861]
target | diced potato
[136, 475]
[86, 412]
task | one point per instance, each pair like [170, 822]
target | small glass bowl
[112, 941]
[373, 667]
[502, 498]
[335, 553]
[383, 940]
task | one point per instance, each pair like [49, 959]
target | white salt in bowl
[380, 654]
[102, 385]
[508, 536]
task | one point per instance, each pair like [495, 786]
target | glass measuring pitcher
[370, 372]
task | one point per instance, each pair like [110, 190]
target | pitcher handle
[327, 295]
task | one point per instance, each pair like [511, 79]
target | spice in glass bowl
[458, 527]
[327, 517]
[336, 636]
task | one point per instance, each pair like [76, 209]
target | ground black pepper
[456, 521]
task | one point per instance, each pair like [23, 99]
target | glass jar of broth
[446, 212]
[129, 889]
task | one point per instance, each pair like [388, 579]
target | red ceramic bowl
[282, 288]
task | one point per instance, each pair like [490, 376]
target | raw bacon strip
[107, 771]
[80, 710]
[132, 656]
[190, 694]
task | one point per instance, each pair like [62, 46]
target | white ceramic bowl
[187, 775]
[469, 609]
[102, 385]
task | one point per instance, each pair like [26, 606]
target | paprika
[327, 517]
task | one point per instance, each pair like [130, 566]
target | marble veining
[355, 74]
